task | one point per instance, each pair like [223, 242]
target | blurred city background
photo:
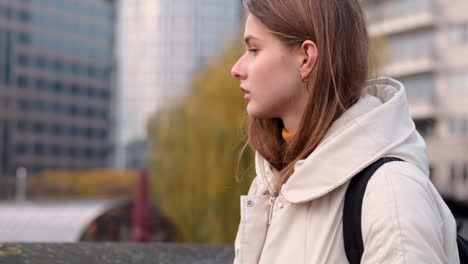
[119, 120]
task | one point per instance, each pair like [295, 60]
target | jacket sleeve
[404, 219]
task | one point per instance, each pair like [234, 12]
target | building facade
[56, 64]
[426, 48]
[161, 46]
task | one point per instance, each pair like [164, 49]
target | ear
[308, 54]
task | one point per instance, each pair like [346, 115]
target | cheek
[276, 76]
[275, 84]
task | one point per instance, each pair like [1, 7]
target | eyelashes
[254, 51]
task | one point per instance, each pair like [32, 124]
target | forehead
[255, 28]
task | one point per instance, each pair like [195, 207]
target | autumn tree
[197, 143]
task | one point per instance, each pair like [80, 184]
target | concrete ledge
[115, 253]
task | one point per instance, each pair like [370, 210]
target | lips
[247, 93]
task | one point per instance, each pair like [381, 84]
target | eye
[254, 51]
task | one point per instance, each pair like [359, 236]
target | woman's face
[269, 75]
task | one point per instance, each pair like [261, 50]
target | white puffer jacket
[404, 219]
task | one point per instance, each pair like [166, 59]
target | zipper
[270, 213]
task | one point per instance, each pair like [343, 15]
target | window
[73, 110]
[23, 60]
[38, 148]
[91, 72]
[75, 69]
[22, 82]
[21, 149]
[40, 84]
[41, 63]
[90, 112]
[24, 38]
[105, 94]
[74, 89]
[57, 87]
[6, 12]
[426, 127]
[74, 131]
[89, 153]
[58, 66]
[36, 168]
[89, 132]
[104, 114]
[411, 45]
[106, 75]
[90, 92]
[24, 16]
[38, 127]
[39, 105]
[57, 108]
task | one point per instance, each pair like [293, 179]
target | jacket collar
[376, 124]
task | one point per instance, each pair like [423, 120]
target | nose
[237, 70]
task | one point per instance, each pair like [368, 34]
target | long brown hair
[338, 29]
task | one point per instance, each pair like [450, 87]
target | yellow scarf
[286, 135]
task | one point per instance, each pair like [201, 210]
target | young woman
[315, 123]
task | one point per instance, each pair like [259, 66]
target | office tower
[426, 48]
[56, 64]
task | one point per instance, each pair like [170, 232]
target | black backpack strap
[352, 233]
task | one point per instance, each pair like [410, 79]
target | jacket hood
[378, 125]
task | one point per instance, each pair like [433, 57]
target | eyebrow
[248, 38]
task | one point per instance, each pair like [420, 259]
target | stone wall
[114, 253]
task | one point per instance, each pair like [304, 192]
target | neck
[291, 124]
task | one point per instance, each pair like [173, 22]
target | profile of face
[271, 74]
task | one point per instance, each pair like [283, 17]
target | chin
[256, 112]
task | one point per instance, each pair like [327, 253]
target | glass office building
[56, 68]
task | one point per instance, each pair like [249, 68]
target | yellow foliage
[379, 56]
[84, 184]
[195, 156]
